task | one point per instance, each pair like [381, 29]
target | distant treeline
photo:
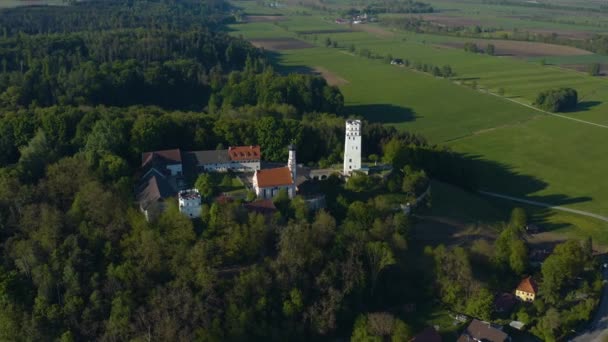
[597, 43]
[394, 6]
[601, 8]
[97, 15]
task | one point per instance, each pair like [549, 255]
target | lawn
[523, 152]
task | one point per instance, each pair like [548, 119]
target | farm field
[526, 153]
[16, 3]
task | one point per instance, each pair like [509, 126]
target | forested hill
[122, 53]
[84, 90]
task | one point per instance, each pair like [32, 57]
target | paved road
[545, 205]
[598, 329]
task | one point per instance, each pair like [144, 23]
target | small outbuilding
[483, 331]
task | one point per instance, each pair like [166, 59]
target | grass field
[16, 3]
[524, 152]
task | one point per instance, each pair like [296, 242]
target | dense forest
[86, 88]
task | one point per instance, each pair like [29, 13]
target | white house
[237, 159]
[352, 147]
[267, 183]
[190, 203]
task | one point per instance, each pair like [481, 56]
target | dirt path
[545, 205]
[331, 78]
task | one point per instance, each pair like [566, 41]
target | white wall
[270, 192]
[232, 166]
[190, 207]
[352, 146]
[176, 169]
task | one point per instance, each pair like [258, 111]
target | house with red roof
[235, 158]
[527, 290]
[268, 182]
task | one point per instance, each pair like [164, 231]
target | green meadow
[521, 151]
[15, 3]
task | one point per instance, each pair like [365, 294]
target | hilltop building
[352, 147]
[268, 182]
[190, 203]
[235, 159]
[153, 188]
[168, 162]
[163, 175]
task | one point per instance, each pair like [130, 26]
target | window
[350, 160]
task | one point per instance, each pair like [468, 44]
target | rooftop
[173, 156]
[239, 153]
[189, 194]
[152, 188]
[274, 177]
[263, 206]
[482, 331]
[209, 157]
[528, 285]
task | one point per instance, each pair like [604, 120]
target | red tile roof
[264, 206]
[528, 285]
[166, 156]
[239, 153]
[274, 177]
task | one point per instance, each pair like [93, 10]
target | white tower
[352, 146]
[291, 162]
[190, 203]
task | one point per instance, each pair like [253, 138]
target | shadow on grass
[382, 113]
[275, 58]
[584, 106]
[473, 172]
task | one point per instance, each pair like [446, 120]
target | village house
[526, 290]
[483, 331]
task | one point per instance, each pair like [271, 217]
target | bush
[557, 100]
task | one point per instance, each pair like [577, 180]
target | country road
[545, 205]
